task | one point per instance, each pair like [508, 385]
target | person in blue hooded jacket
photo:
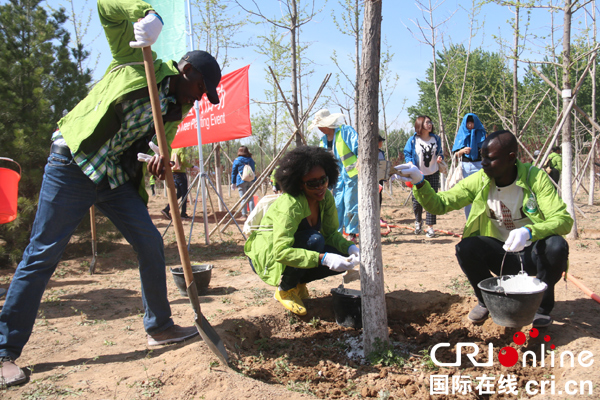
[342, 141]
[244, 158]
[467, 147]
[424, 150]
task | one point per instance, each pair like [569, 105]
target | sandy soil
[89, 341]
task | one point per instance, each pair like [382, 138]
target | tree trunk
[374, 314]
[357, 67]
[218, 174]
[567, 154]
[436, 87]
[515, 102]
[592, 150]
[293, 27]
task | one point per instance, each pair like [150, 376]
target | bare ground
[89, 341]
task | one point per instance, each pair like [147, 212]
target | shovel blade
[208, 333]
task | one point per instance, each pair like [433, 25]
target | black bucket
[512, 310]
[202, 274]
[347, 307]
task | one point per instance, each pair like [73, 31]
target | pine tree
[39, 81]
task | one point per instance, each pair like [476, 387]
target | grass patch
[460, 285]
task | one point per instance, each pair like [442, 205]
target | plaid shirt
[137, 123]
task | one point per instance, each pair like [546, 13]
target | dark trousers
[554, 175]
[547, 259]
[309, 239]
[181, 187]
[430, 219]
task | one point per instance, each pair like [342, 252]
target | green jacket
[97, 118]
[272, 251]
[555, 161]
[550, 217]
[184, 162]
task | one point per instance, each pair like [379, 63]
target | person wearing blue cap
[467, 146]
[94, 161]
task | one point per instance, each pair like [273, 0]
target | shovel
[94, 241]
[208, 333]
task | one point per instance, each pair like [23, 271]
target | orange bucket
[255, 198]
[9, 188]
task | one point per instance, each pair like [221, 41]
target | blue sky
[411, 58]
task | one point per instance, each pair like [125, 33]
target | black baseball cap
[210, 70]
[381, 138]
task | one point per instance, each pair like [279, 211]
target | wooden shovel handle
[164, 150]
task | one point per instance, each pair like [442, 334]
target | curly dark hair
[298, 162]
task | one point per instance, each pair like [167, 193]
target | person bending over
[515, 209]
[93, 161]
[300, 242]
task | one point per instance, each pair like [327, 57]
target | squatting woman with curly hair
[304, 244]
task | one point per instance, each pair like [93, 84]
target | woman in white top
[424, 150]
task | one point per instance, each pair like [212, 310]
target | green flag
[171, 43]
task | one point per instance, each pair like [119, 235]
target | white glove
[337, 263]
[143, 157]
[355, 260]
[232, 186]
[410, 173]
[353, 249]
[146, 31]
[394, 177]
[517, 240]
[195, 168]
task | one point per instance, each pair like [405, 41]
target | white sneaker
[430, 233]
[418, 229]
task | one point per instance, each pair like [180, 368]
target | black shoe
[478, 314]
[173, 334]
[166, 214]
[541, 321]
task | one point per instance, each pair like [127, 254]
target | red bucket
[9, 189]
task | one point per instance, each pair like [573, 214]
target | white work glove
[337, 263]
[517, 240]
[233, 186]
[353, 249]
[143, 157]
[195, 168]
[354, 259]
[146, 30]
[410, 173]
[395, 177]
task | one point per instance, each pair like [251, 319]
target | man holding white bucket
[93, 161]
[515, 209]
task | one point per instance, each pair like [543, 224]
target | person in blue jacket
[424, 150]
[244, 158]
[342, 141]
[467, 146]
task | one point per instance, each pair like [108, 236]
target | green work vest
[348, 158]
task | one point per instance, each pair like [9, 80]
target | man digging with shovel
[516, 214]
[93, 161]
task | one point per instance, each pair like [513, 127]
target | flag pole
[199, 133]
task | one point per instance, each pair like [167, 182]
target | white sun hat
[324, 119]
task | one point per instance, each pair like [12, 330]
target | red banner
[228, 120]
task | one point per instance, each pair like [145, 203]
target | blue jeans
[65, 198]
[469, 168]
[242, 189]
[308, 239]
